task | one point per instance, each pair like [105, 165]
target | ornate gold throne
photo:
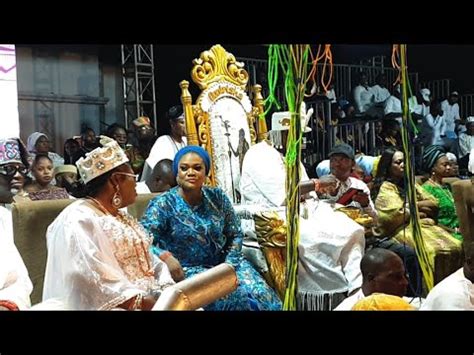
[222, 111]
[223, 120]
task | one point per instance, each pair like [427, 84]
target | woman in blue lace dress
[195, 228]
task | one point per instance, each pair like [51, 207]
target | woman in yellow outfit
[394, 216]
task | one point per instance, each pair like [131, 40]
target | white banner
[9, 119]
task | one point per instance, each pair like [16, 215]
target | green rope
[293, 62]
[272, 77]
[420, 247]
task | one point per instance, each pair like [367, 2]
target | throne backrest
[223, 120]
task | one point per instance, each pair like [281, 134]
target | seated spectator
[454, 164]
[195, 228]
[433, 126]
[393, 106]
[363, 95]
[342, 162]
[419, 105]
[365, 165]
[13, 169]
[466, 143]
[15, 284]
[119, 133]
[145, 137]
[72, 151]
[88, 141]
[394, 216]
[456, 291]
[382, 272]
[38, 143]
[161, 179]
[436, 163]
[450, 108]
[99, 256]
[380, 91]
[390, 134]
[167, 146]
[331, 93]
[41, 188]
[66, 177]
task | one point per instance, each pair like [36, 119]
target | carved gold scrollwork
[271, 235]
[253, 133]
[216, 64]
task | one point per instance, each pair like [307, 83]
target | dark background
[431, 61]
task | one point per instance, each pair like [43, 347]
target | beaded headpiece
[101, 160]
[9, 151]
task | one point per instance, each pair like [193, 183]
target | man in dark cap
[341, 161]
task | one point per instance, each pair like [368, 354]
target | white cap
[425, 94]
[281, 120]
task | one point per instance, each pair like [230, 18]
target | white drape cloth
[455, 292]
[98, 261]
[331, 244]
[15, 284]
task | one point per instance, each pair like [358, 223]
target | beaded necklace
[181, 145]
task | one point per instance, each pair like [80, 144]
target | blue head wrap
[191, 149]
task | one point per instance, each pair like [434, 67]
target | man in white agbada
[331, 244]
[98, 256]
[456, 292]
[167, 146]
[15, 284]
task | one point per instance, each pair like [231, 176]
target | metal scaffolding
[138, 76]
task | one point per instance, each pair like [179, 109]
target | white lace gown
[98, 261]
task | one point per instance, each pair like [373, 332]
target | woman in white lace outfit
[98, 256]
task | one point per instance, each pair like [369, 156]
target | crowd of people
[101, 258]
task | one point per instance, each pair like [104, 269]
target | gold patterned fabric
[444, 250]
[382, 302]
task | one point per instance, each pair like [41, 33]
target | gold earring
[117, 198]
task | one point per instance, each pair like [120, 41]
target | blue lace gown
[203, 236]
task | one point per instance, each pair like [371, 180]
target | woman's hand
[429, 208]
[175, 268]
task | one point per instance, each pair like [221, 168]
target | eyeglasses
[11, 170]
[126, 174]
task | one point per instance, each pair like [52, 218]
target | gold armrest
[199, 290]
[271, 235]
